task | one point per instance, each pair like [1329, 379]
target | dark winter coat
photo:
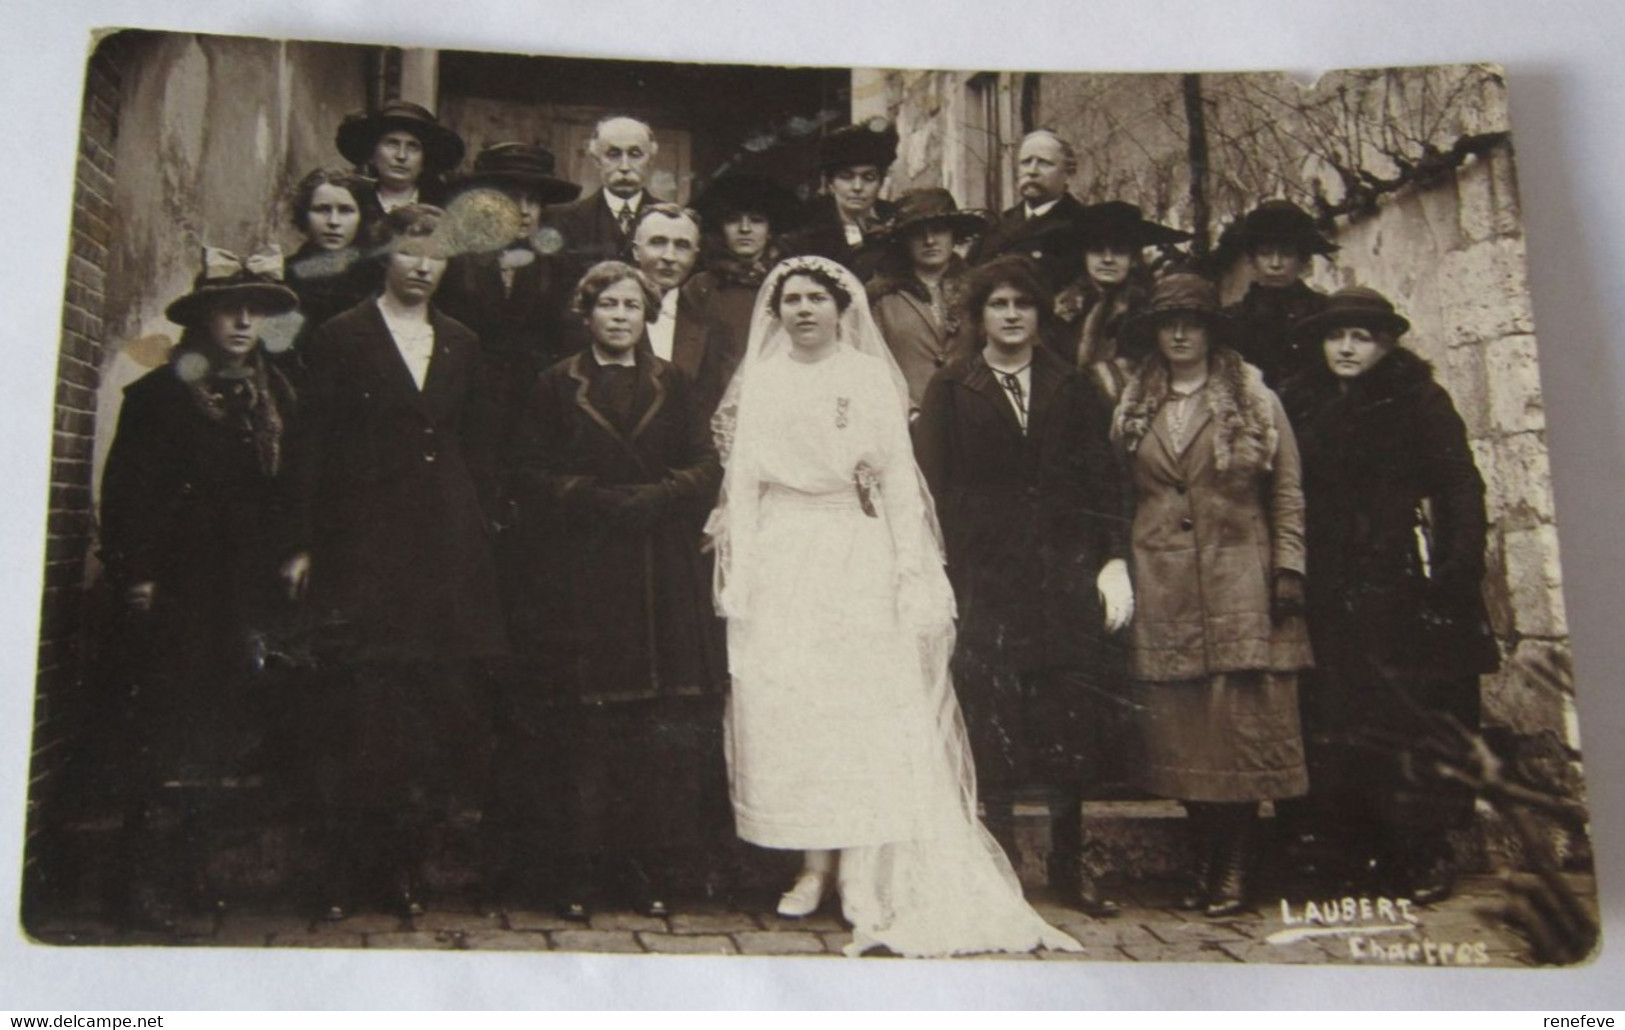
[188, 505]
[1374, 459]
[1264, 318]
[1027, 519]
[618, 611]
[328, 283]
[589, 233]
[520, 329]
[822, 233]
[723, 299]
[1051, 239]
[390, 489]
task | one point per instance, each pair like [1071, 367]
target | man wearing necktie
[598, 227]
[1041, 227]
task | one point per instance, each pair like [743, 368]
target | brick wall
[69, 529]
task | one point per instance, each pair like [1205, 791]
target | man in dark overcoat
[1032, 522]
[598, 227]
[390, 542]
[1043, 226]
[616, 474]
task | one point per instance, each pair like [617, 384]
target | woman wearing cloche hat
[1397, 527]
[1218, 638]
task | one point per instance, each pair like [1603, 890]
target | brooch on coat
[864, 478]
[843, 409]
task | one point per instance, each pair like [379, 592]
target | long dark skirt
[411, 737]
[638, 775]
[1231, 737]
[1359, 726]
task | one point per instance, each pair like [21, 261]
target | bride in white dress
[844, 734]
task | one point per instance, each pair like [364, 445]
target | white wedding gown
[843, 729]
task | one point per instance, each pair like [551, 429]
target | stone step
[260, 852]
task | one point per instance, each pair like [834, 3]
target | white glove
[1116, 594]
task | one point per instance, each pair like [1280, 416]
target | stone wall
[1449, 251]
[1451, 256]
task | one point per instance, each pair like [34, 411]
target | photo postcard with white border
[458, 541]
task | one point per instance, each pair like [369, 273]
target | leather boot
[1199, 830]
[1072, 882]
[1227, 894]
[1427, 868]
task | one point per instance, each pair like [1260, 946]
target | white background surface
[1567, 81]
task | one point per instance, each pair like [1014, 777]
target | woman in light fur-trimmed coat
[1218, 562]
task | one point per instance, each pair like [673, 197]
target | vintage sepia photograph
[537, 503]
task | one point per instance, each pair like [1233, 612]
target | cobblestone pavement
[1460, 931]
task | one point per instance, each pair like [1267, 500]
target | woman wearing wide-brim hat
[742, 217]
[1218, 558]
[1113, 286]
[507, 284]
[1397, 527]
[844, 222]
[188, 542]
[1279, 241]
[404, 148]
[514, 168]
[916, 295]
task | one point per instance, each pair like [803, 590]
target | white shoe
[803, 899]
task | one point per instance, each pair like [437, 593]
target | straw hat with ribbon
[254, 280]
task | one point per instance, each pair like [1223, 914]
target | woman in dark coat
[1218, 553]
[1396, 531]
[616, 472]
[845, 223]
[404, 149]
[336, 212]
[742, 218]
[1280, 241]
[391, 542]
[1112, 287]
[188, 538]
[1013, 447]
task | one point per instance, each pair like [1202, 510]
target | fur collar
[1245, 435]
[892, 280]
[1400, 373]
[1082, 295]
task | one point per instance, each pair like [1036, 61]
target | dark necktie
[625, 218]
[1011, 381]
